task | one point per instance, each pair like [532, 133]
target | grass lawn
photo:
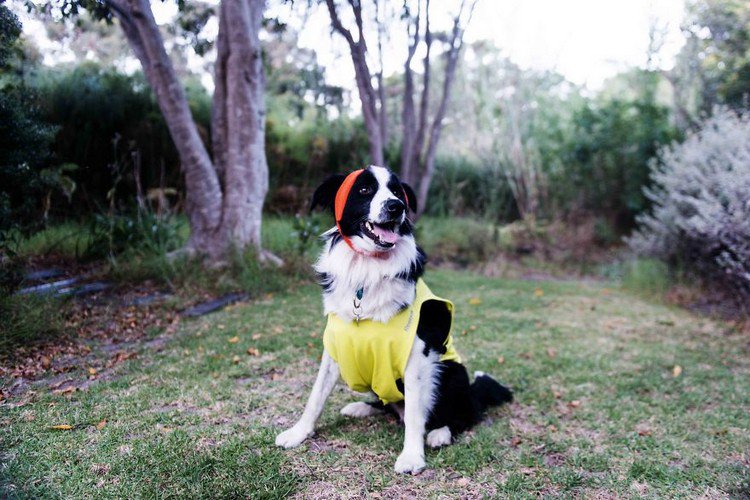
[616, 396]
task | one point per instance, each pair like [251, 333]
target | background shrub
[701, 203]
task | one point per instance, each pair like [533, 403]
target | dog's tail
[487, 392]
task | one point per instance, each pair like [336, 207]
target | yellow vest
[372, 355]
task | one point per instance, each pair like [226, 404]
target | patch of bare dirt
[102, 330]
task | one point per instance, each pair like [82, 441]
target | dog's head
[370, 207]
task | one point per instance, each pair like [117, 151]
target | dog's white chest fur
[384, 293]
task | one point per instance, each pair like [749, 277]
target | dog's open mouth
[383, 234]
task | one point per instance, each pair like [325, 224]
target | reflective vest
[372, 355]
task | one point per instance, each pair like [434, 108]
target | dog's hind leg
[328, 374]
[360, 409]
[439, 437]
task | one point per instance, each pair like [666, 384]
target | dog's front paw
[410, 463]
[291, 438]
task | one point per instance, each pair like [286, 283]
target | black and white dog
[370, 271]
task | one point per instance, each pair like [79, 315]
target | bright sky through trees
[588, 41]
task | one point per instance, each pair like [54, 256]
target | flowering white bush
[701, 202]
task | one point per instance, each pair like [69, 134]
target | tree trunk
[367, 94]
[417, 162]
[407, 111]
[240, 118]
[224, 198]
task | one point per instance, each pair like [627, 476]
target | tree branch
[450, 70]
[367, 94]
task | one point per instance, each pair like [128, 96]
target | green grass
[601, 410]
[69, 239]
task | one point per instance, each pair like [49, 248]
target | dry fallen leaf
[475, 301]
[62, 427]
[256, 336]
[252, 351]
[46, 362]
[515, 441]
[92, 371]
[65, 390]
[574, 404]
[676, 371]
[234, 340]
[463, 482]
[501, 360]
[220, 327]
[557, 394]
[101, 424]
[236, 360]
[538, 292]
[275, 376]
[551, 352]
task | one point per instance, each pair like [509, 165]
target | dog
[387, 333]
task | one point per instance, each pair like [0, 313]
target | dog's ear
[411, 198]
[325, 195]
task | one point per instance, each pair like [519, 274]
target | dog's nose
[394, 207]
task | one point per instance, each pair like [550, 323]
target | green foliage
[464, 188]
[10, 30]
[718, 46]
[307, 229]
[25, 319]
[460, 241]
[141, 230]
[650, 277]
[24, 140]
[607, 157]
[109, 122]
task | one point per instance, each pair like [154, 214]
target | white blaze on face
[382, 195]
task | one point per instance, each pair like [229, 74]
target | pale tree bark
[423, 162]
[408, 118]
[368, 96]
[224, 197]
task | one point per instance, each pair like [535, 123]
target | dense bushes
[701, 203]
[109, 124]
[461, 187]
[24, 138]
[606, 156]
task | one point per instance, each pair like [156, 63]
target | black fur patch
[325, 194]
[335, 238]
[459, 404]
[434, 326]
[454, 405]
[324, 280]
[416, 270]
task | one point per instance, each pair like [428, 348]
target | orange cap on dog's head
[343, 194]
[340, 202]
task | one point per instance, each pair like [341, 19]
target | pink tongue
[384, 234]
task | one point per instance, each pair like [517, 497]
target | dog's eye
[365, 190]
